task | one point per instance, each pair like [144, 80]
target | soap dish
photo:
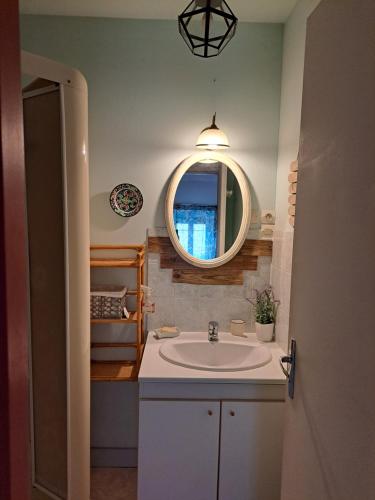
[160, 334]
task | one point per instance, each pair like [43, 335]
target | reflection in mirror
[208, 210]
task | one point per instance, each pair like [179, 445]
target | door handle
[282, 360]
[290, 373]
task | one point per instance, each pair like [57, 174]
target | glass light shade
[207, 26]
[212, 138]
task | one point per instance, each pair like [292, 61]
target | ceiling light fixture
[207, 26]
[212, 138]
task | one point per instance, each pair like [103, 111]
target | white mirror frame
[246, 208]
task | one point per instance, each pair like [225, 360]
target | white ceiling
[246, 10]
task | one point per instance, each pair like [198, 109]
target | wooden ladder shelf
[121, 370]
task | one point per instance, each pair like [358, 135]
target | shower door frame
[74, 141]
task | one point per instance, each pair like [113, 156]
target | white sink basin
[222, 356]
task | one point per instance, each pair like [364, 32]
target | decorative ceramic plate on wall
[126, 200]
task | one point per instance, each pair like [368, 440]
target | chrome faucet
[213, 331]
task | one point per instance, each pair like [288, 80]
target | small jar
[237, 327]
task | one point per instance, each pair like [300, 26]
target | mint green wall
[149, 98]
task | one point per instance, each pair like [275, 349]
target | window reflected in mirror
[208, 210]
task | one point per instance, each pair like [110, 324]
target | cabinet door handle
[210, 413]
[232, 413]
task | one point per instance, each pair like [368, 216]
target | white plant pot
[264, 333]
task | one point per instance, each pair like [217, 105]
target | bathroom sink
[217, 356]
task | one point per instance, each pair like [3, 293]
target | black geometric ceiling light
[207, 26]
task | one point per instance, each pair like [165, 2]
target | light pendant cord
[214, 95]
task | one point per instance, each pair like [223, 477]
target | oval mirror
[208, 209]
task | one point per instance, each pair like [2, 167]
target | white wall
[290, 118]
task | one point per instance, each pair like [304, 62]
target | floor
[113, 484]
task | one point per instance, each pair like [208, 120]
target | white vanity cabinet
[178, 450]
[250, 450]
[210, 450]
[209, 435]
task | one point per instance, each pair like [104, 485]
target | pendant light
[212, 138]
[207, 26]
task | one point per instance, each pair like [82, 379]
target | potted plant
[265, 307]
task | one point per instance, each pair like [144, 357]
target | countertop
[155, 369]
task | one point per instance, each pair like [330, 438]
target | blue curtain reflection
[196, 228]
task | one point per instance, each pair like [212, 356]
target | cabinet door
[178, 450]
[250, 452]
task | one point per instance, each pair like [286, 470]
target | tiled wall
[289, 137]
[191, 307]
[281, 281]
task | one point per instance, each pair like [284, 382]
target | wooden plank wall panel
[256, 248]
[238, 263]
[156, 243]
[207, 276]
[229, 273]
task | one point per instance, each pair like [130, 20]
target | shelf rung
[114, 345]
[123, 362]
[139, 248]
[134, 292]
[115, 371]
[132, 319]
[95, 262]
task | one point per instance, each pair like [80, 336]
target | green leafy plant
[265, 306]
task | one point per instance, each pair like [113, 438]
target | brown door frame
[15, 483]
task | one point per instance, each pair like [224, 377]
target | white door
[251, 450]
[178, 450]
[329, 446]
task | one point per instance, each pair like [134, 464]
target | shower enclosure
[56, 160]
